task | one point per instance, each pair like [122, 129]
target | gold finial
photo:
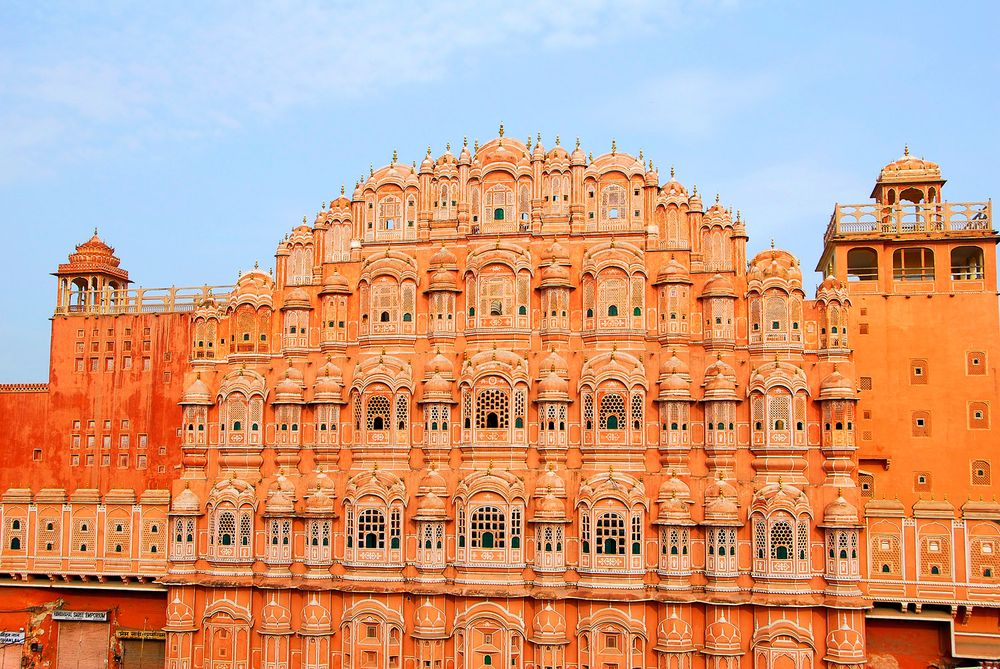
[578, 142]
[303, 218]
[772, 242]
[737, 215]
[465, 141]
[256, 265]
[640, 156]
[528, 143]
[614, 147]
[475, 147]
[557, 140]
[538, 138]
[489, 468]
[371, 170]
[324, 206]
[590, 157]
[394, 156]
[95, 230]
[341, 189]
[694, 189]
[501, 128]
[671, 171]
[428, 151]
[651, 166]
[716, 198]
[906, 149]
[413, 167]
[447, 147]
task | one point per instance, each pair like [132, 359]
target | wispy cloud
[134, 78]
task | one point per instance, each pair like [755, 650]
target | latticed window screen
[610, 534]
[885, 556]
[402, 411]
[981, 472]
[395, 528]
[385, 302]
[611, 413]
[636, 411]
[15, 533]
[638, 295]
[984, 556]
[612, 293]
[779, 412]
[409, 301]
[246, 528]
[119, 535]
[776, 313]
[520, 404]
[152, 536]
[371, 529]
[515, 528]
[760, 537]
[498, 204]
[492, 408]
[585, 530]
[488, 527]
[802, 540]
[48, 534]
[781, 541]
[614, 203]
[357, 411]
[84, 535]
[378, 413]
[496, 295]
[935, 555]
[588, 296]
[588, 410]
[300, 265]
[389, 213]
[225, 534]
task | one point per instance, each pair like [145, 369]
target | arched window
[378, 413]
[913, 264]
[371, 529]
[492, 409]
[862, 265]
[614, 207]
[966, 263]
[610, 534]
[498, 203]
[488, 528]
[611, 412]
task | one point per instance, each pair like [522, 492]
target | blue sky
[195, 138]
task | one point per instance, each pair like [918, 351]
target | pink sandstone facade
[529, 409]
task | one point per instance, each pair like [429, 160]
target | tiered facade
[512, 408]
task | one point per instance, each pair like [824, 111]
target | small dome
[672, 272]
[179, 614]
[555, 274]
[673, 511]
[673, 486]
[186, 502]
[836, 386]
[315, 616]
[336, 284]
[845, 644]
[433, 481]
[289, 389]
[443, 280]
[720, 381]
[554, 361]
[548, 625]
[431, 504]
[673, 365]
[297, 298]
[553, 386]
[551, 505]
[840, 512]
[441, 363]
[274, 615]
[674, 634]
[443, 258]
[550, 481]
[722, 510]
[197, 392]
[719, 286]
[94, 256]
[909, 168]
[429, 621]
[427, 164]
[437, 389]
[722, 636]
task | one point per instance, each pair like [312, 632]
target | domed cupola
[429, 622]
[197, 393]
[720, 381]
[290, 389]
[673, 635]
[672, 272]
[548, 627]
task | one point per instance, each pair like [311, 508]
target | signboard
[11, 638]
[81, 616]
[145, 635]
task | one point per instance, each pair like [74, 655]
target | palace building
[520, 408]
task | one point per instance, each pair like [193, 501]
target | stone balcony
[878, 220]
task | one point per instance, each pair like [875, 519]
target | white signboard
[10, 638]
[81, 616]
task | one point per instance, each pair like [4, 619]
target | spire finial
[95, 230]
[906, 149]
[538, 138]
[772, 242]
[447, 146]
[371, 170]
[341, 189]
[614, 146]
[557, 140]
[716, 198]
[671, 171]
[501, 128]
[590, 157]
[324, 206]
[428, 150]
[640, 155]
[465, 140]
[395, 156]
[303, 218]
[578, 142]
[694, 189]
[475, 146]
[528, 143]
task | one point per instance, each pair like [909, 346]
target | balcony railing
[141, 300]
[906, 218]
